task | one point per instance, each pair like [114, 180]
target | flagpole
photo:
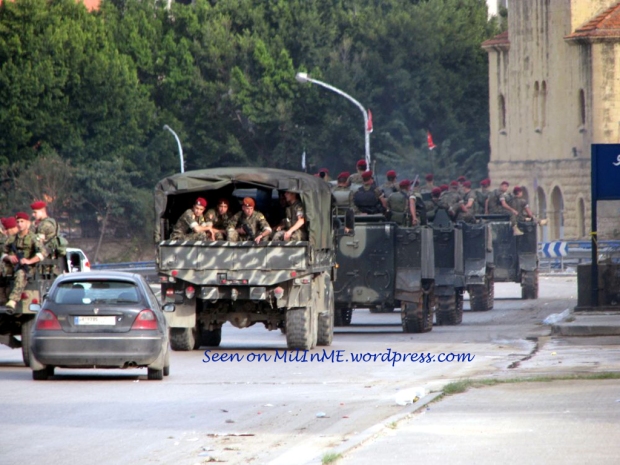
[303, 78]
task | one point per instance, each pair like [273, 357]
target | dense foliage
[84, 96]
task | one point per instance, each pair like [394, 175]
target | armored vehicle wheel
[479, 297]
[326, 320]
[25, 332]
[450, 309]
[491, 293]
[211, 338]
[529, 285]
[184, 339]
[417, 319]
[300, 329]
[342, 316]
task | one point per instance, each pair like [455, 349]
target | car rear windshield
[86, 292]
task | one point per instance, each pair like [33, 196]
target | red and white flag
[429, 139]
[369, 127]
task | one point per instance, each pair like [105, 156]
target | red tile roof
[500, 40]
[604, 26]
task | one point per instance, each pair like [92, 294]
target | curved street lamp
[167, 128]
[304, 78]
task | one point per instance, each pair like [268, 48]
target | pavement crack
[540, 342]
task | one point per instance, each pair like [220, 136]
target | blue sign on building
[606, 171]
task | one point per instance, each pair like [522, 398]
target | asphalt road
[249, 410]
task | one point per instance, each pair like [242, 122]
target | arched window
[557, 214]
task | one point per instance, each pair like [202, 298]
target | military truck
[286, 286]
[515, 257]
[16, 324]
[385, 265]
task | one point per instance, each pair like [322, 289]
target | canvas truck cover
[314, 193]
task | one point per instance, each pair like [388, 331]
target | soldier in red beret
[481, 197]
[389, 187]
[192, 224]
[433, 204]
[342, 193]
[356, 178]
[427, 188]
[398, 204]
[369, 200]
[248, 224]
[324, 174]
[46, 229]
[498, 203]
[20, 252]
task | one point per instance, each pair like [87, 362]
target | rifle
[19, 254]
[248, 231]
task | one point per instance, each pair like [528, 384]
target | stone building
[554, 82]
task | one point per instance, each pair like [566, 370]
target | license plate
[95, 320]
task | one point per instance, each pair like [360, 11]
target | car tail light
[35, 301]
[87, 265]
[190, 292]
[145, 320]
[278, 292]
[24, 296]
[48, 321]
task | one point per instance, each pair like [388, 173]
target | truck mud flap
[475, 271]
[408, 284]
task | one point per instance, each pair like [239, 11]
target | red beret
[391, 174]
[366, 175]
[506, 182]
[361, 164]
[454, 183]
[9, 222]
[467, 184]
[324, 170]
[22, 216]
[461, 179]
[38, 205]
[436, 191]
[517, 189]
[485, 182]
[249, 202]
[444, 187]
[429, 177]
[344, 175]
[405, 183]
[201, 201]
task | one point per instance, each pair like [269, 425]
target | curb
[568, 329]
[369, 433]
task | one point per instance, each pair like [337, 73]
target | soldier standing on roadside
[21, 251]
[248, 224]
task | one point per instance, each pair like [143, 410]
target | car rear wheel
[167, 363]
[154, 374]
[44, 374]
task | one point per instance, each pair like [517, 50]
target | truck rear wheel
[417, 319]
[450, 311]
[184, 339]
[479, 297]
[529, 285]
[300, 329]
[211, 338]
[326, 319]
[25, 332]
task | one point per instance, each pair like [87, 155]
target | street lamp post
[167, 128]
[303, 78]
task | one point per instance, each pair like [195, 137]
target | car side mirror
[169, 307]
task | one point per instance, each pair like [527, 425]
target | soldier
[21, 251]
[368, 199]
[9, 226]
[217, 220]
[444, 187]
[524, 213]
[429, 186]
[324, 174]
[356, 178]
[465, 212]
[481, 197]
[45, 228]
[293, 227]
[248, 223]
[460, 180]
[343, 193]
[389, 187]
[499, 202]
[398, 204]
[433, 204]
[450, 199]
[417, 208]
[191, 226]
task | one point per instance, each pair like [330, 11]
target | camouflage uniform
[495, 202]
[449, 201]
[389, 188]
[355, 178]
[519, 204]
[481, 198]
[5, 271]
[431, 208]
[468, 216]
[293, 213]
[344, 198]
[184, 227]
[27, 246]
[217, 221]
[256, 221]
[398, 203]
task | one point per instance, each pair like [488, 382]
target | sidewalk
[589, 324]
[559, 422]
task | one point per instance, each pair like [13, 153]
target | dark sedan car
[100, 320]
